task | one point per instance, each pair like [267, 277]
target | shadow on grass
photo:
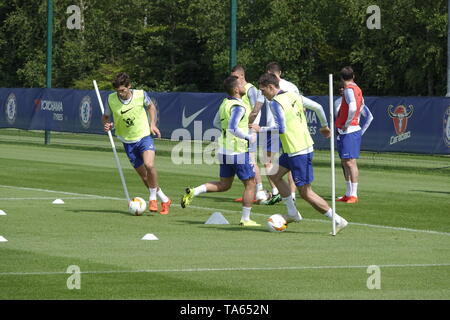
[431, 191]
[237, 228]
[105, 211]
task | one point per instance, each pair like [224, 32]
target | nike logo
[186, 121]
[123, 112]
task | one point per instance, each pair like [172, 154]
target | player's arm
[365, 112]
[107, 123]
[278, 115]
[257, 101]
[237, 112]
[337, 106]
[318, 109]
[152, 113]
[216, 121]
[349, 96]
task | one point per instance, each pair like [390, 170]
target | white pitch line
[230, 269]
[233, 211]
[61, 192]
[326, 221]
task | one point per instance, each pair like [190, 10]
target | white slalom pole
[333, 173]
[122, 178]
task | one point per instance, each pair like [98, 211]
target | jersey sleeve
[253, 96]
[278, 116]
[365, 112]
[237, 112]
[147, 99]
[317, 108]
[107, 109]
[349, 96]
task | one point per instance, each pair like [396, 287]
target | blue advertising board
[401, 124]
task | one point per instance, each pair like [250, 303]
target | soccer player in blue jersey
[351, 189]
[233, 153]
[297, 145]
[255, 99]
[349, 132]
[133, 127]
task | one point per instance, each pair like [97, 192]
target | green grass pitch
[401, 225]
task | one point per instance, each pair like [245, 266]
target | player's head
[274, 68]
[238, 71]
[269, 84]
[233, 86]
[347, 73]
[341, 87]
[122, 85]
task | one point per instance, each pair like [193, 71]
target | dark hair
[268, 78]
[238, 67]
[230, 83]
[121, 79]
[347, 73]
[273, 67]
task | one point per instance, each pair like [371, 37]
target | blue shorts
[300, 166]
[236, 165]
[270, 141]
[349, 145]
[134, 151]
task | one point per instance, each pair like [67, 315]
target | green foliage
[181, 45]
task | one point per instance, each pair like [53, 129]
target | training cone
[58, 201]
[2, 213]
[217, 218]
[149, 236]
[2, 239]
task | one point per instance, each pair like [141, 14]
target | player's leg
[268, 165]
[260, 195]
[303, 174]
[147, 150]
[349, 151]
[292, 185]
[212, 186]
[245, 170]
[285, 192]
[318, 203]
[227, 173]
[271, 146]
[348, 183]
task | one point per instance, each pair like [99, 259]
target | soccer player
[367, 115]
[290, 122]
[254, 98]
[349, 133]
[233, 151]
[272, 143]
[134, 127]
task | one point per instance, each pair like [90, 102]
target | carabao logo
[400, 116]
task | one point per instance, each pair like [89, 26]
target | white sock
[329, 215]
[348, 188]
[355, 189]
[259, 187]
[162, 196]
[274, 191]
[293, 195]
[199, 190]
[246, 213]
[290, 205]
[152, 193]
